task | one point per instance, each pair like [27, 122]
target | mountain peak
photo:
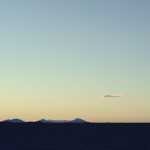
[44, 121]
[14, 120]
[78, 120]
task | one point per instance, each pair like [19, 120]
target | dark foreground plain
[88, 136]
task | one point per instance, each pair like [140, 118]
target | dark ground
[102, 136]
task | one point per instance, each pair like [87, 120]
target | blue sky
[59, 57]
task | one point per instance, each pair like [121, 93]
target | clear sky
[58, 57]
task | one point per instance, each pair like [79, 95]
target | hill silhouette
[14, 121]
[77, 120]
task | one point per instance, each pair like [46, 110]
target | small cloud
[111, 96]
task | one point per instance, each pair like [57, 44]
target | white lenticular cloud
[111, 96]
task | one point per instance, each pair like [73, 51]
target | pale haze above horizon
[66, 59]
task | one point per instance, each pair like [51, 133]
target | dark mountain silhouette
[52, 121]
[14, 121]
[77, 120]
[45, 121]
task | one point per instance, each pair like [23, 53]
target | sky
[66, 59]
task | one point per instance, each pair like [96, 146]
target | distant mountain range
[14, 121]
[77, 120]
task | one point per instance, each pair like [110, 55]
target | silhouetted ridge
[44, 121]
[14, 121]
[77, 120]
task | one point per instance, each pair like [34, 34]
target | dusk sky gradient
[58, 57]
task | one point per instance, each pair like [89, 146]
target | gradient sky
[58, 57]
